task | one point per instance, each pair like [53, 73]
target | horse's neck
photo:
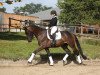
[38, 31]
[40, 35]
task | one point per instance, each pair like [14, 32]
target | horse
[67, 39]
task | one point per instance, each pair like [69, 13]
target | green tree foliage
[31, 8]
[12, 1]
[2, 9]
[9, 1]
[79, 11]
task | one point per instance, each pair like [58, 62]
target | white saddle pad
[58, 35]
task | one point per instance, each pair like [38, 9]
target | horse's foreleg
[33, 54]
[50, 57]
[31, 58]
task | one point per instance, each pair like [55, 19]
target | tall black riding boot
[53, 40]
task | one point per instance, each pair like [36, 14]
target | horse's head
[29, 33]
[32, 29]
[28, 27]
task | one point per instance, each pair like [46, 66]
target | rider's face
[52, 15]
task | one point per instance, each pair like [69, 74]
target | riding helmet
[53, 12]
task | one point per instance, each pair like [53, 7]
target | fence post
[75, 30]
[9, 23]
[99, 33]
[81, 30]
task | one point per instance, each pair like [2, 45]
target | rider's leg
[53, 40]
[53, 30]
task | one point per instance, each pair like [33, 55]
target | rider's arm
[53, 22]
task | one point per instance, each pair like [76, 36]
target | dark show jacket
[53, 22]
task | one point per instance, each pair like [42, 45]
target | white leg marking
[79, 59]
[31, 57]
[65, 57]
[51, 60]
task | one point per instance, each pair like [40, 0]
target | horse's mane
[37, 26]
[34, 25]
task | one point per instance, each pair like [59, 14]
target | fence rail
[5, 28]
[81, 30]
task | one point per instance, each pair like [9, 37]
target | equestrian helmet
[53, 12]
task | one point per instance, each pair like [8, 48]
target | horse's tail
[80, 49]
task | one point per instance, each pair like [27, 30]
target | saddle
[57, 33]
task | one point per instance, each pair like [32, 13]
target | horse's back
[67, 33]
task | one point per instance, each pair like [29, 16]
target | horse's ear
[26, 23]
[31, 22]
[24, 28]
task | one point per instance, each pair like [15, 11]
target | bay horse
[67, 38]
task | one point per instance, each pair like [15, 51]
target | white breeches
[53, 29]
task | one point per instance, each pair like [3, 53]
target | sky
[50, 3]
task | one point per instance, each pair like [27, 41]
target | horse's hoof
[51, 64]
[64, 63]
[80, 63]
[29, 62]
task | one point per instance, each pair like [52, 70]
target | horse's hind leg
[50, 57]
[76, 52]
[68, 52]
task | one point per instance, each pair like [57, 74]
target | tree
[2, 9]
[12, 1]
[79, 11]
[31, 8]
[9, 1]
[1, 4]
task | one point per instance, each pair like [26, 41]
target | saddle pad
[58, 35]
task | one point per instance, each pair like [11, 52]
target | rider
[53, 26]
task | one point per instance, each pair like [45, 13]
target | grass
[15, 46]
[91, 51]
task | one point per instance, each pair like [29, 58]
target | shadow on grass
[12, 36]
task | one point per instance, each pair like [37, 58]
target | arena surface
[90, 67]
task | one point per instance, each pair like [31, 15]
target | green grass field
[15, 46]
